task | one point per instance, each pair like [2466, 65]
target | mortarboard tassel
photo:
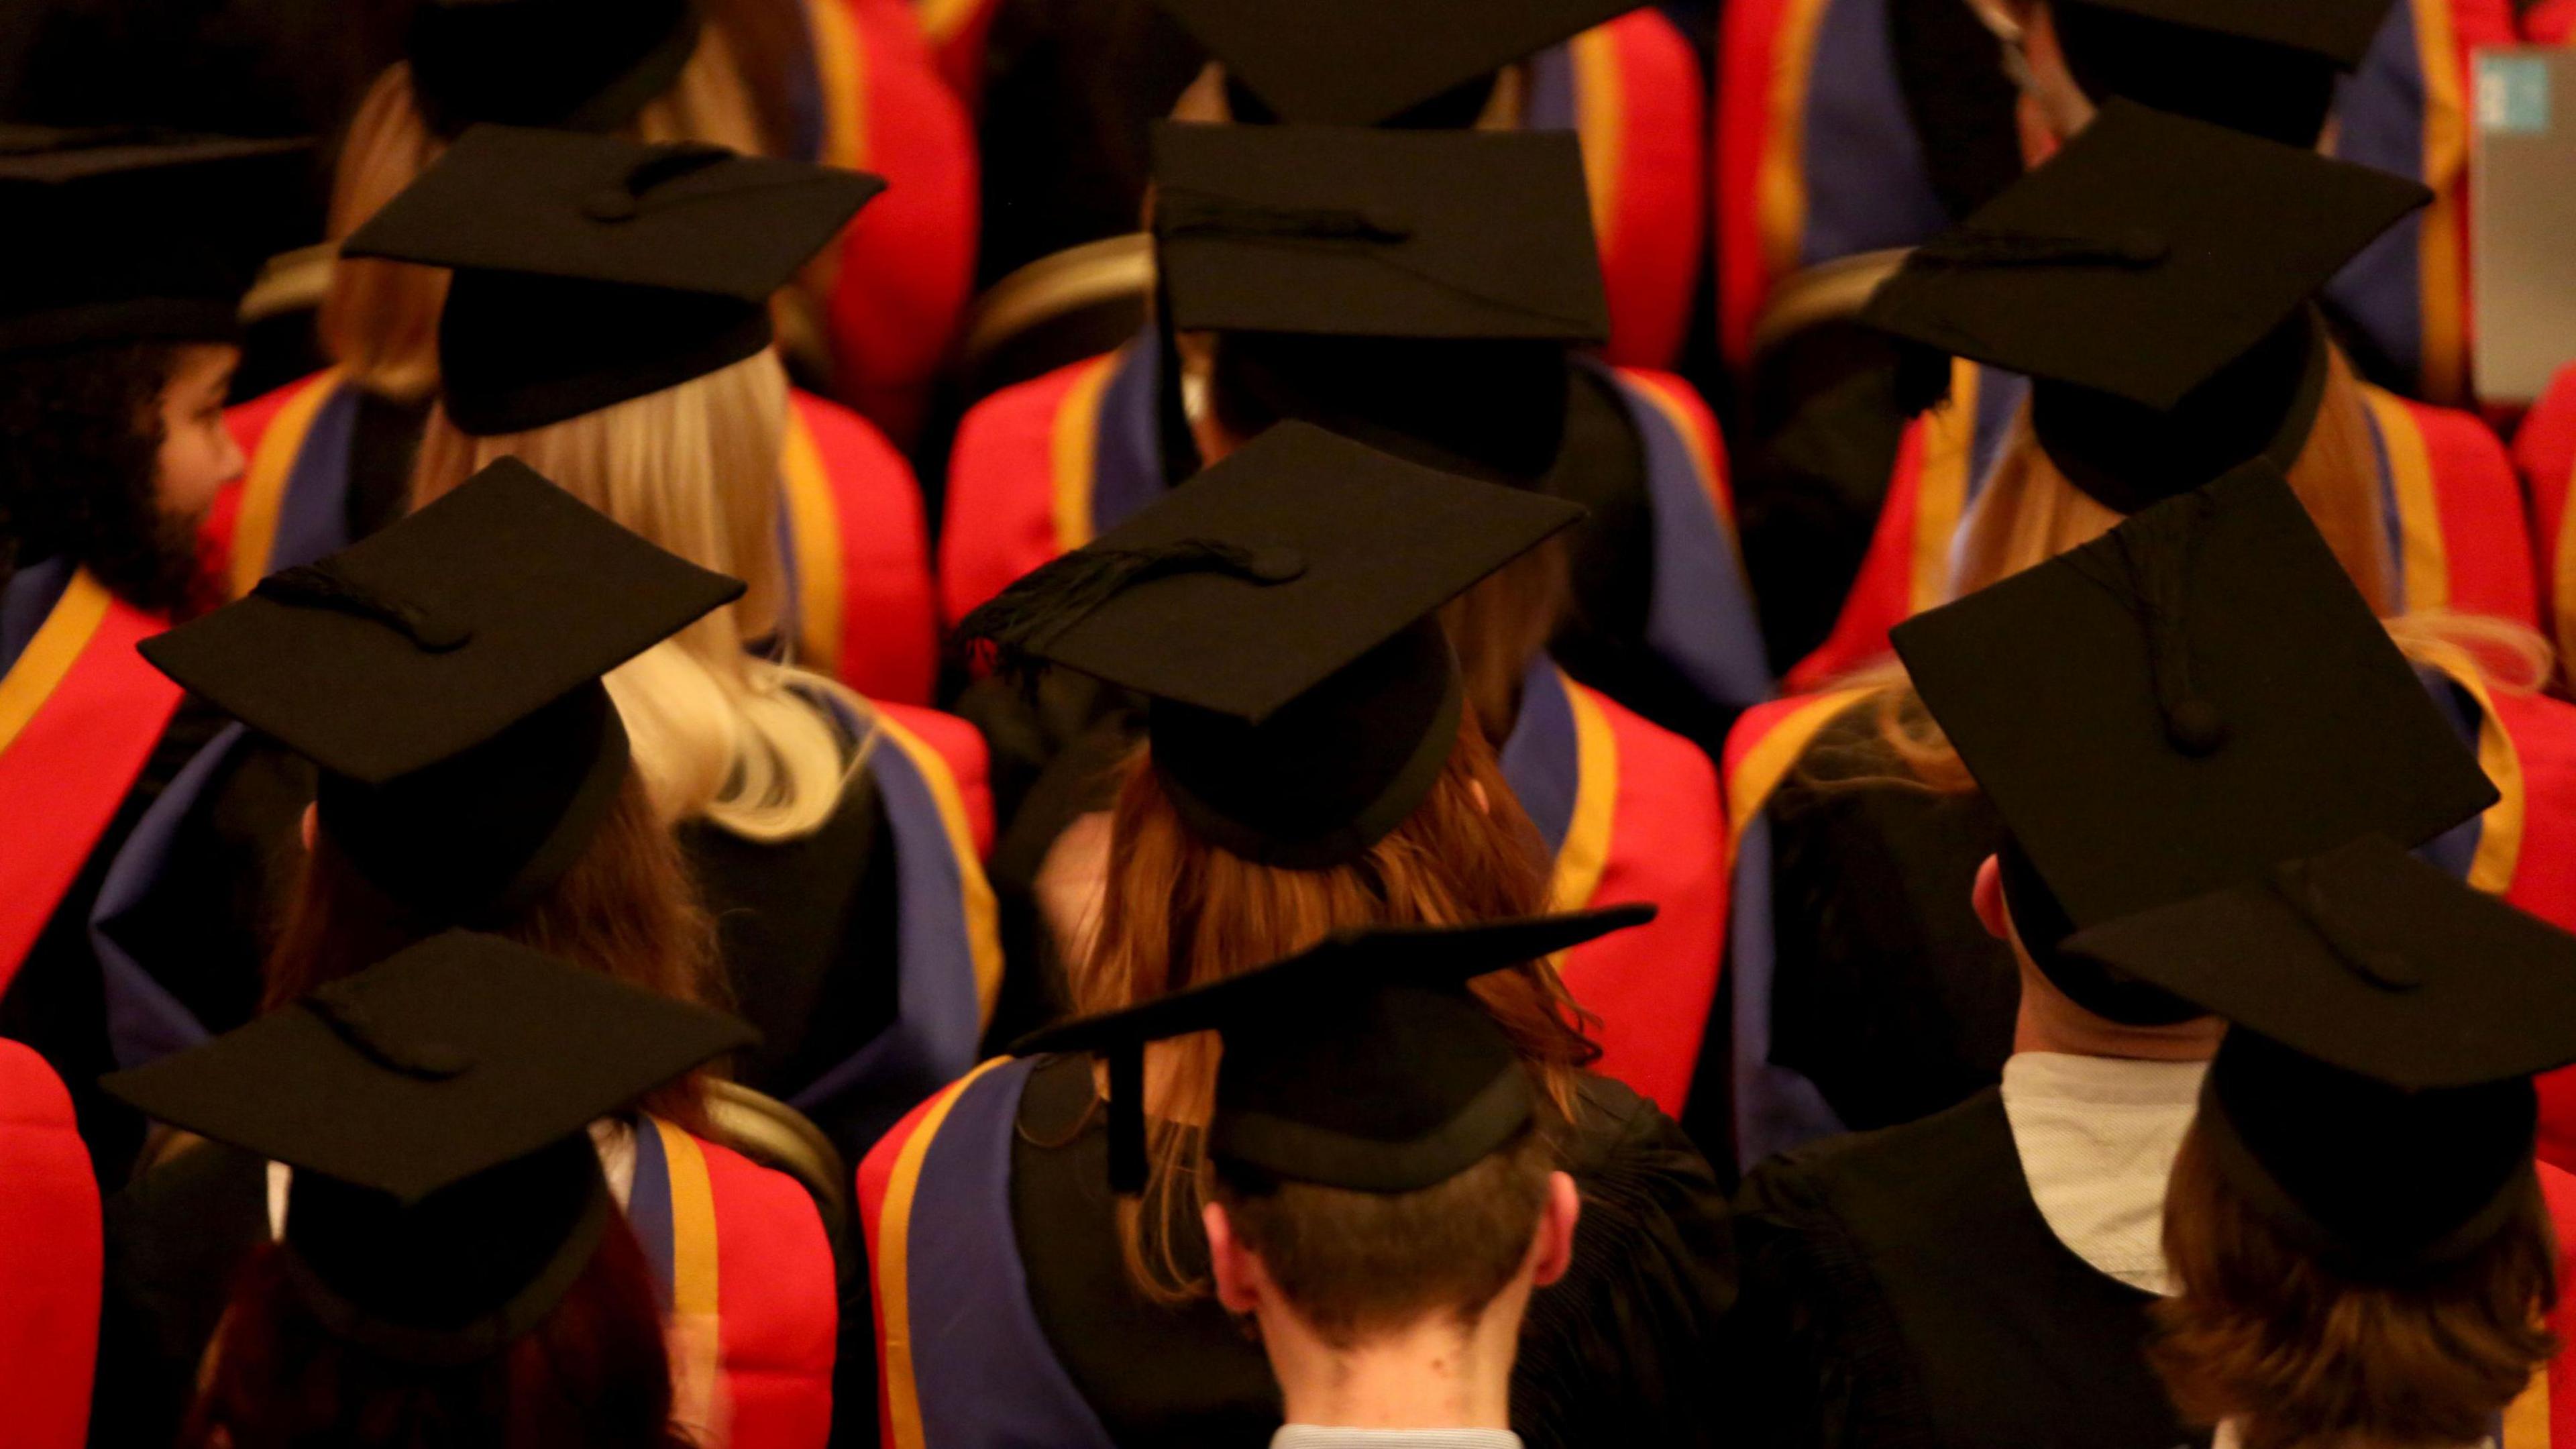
[1020, 621]
[2153, 576]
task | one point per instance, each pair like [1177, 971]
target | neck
[2078, 1033]
[1430, 1375]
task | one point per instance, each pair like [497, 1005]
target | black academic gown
[808, 933]
[1901, 1288]
[1616, 1353]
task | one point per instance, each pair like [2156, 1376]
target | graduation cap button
[1275, 564]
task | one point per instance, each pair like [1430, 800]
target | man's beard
[79, 450]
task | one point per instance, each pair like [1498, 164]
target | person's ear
[1237, 1272]
[312, 826]
[1988, 896]
[1476, 792]
[1552, 1251]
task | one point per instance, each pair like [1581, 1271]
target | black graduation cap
[445, 674]
[136, 235]
[2152, 278]
[2252, 65]
[434, 1107]
[1280, 610]
[582, 65]
[2373, 1090]
[591, 269]
[1366, 62]
[1362, 1062]
[2170, 709]
[1354, 233]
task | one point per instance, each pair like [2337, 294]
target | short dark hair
[80, 445]
[1356, 1263]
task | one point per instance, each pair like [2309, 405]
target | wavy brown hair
[1179, 912]
[626, 908]
[2262, 1333]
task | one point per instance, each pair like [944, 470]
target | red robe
[2459, 540]
[2545, 451]
[905, 269]
[860, 558]
[50, 1258]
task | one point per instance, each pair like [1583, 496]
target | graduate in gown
[1364, 1095]
[623, 352]
[2168, 710]
[1829, 456]
[2390, 1015]
[120, 275]
[331, 454]
[448, 1137]
[1311, 763]
[1071, 90]
[2155, 275]
[445, 679]
[1446, 345]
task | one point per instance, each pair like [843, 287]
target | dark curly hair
[80, 440]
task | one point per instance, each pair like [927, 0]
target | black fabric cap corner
[2143, 258]
[581, 65]
[1356, 233]
[136, 235]
[1279, 611]
[2180, 704]
[1362, 1062]
[2380, 1011]
[591, 269]
[1362, 62]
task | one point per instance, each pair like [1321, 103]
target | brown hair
[592, 1375]
[379, 320]
[1179, 912]
[2262, 1333]
[1355, 1264]
[1502, 624]
[626, 908]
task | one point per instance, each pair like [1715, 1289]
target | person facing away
[1311, 763]
[2364, 1249]
[1383, 1203]
[444, 678]
[624, 354]
[452, 1267]
[1988, 1273]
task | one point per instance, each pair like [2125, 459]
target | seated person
[2363, 1250]
[1987, 1274]
[444, 678]
[626, 358]
[1383, 1203]
[446, 1148]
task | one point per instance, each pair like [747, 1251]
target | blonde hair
[2030, 513]
[379, 320]
[1178, 912]
[744, 742]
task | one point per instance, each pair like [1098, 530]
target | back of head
[593, 1374]
[1358, 1265]
[719, 734]
[2263, 1333]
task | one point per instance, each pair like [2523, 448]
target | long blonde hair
[744, 742]
[379, 320]
[1178, 912]
[2030, 513]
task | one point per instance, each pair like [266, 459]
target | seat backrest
[775, 1135]
[50, 1259]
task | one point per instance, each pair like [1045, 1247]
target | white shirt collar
[2097, 1137]
[611, 1135]
[1316, 1436]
